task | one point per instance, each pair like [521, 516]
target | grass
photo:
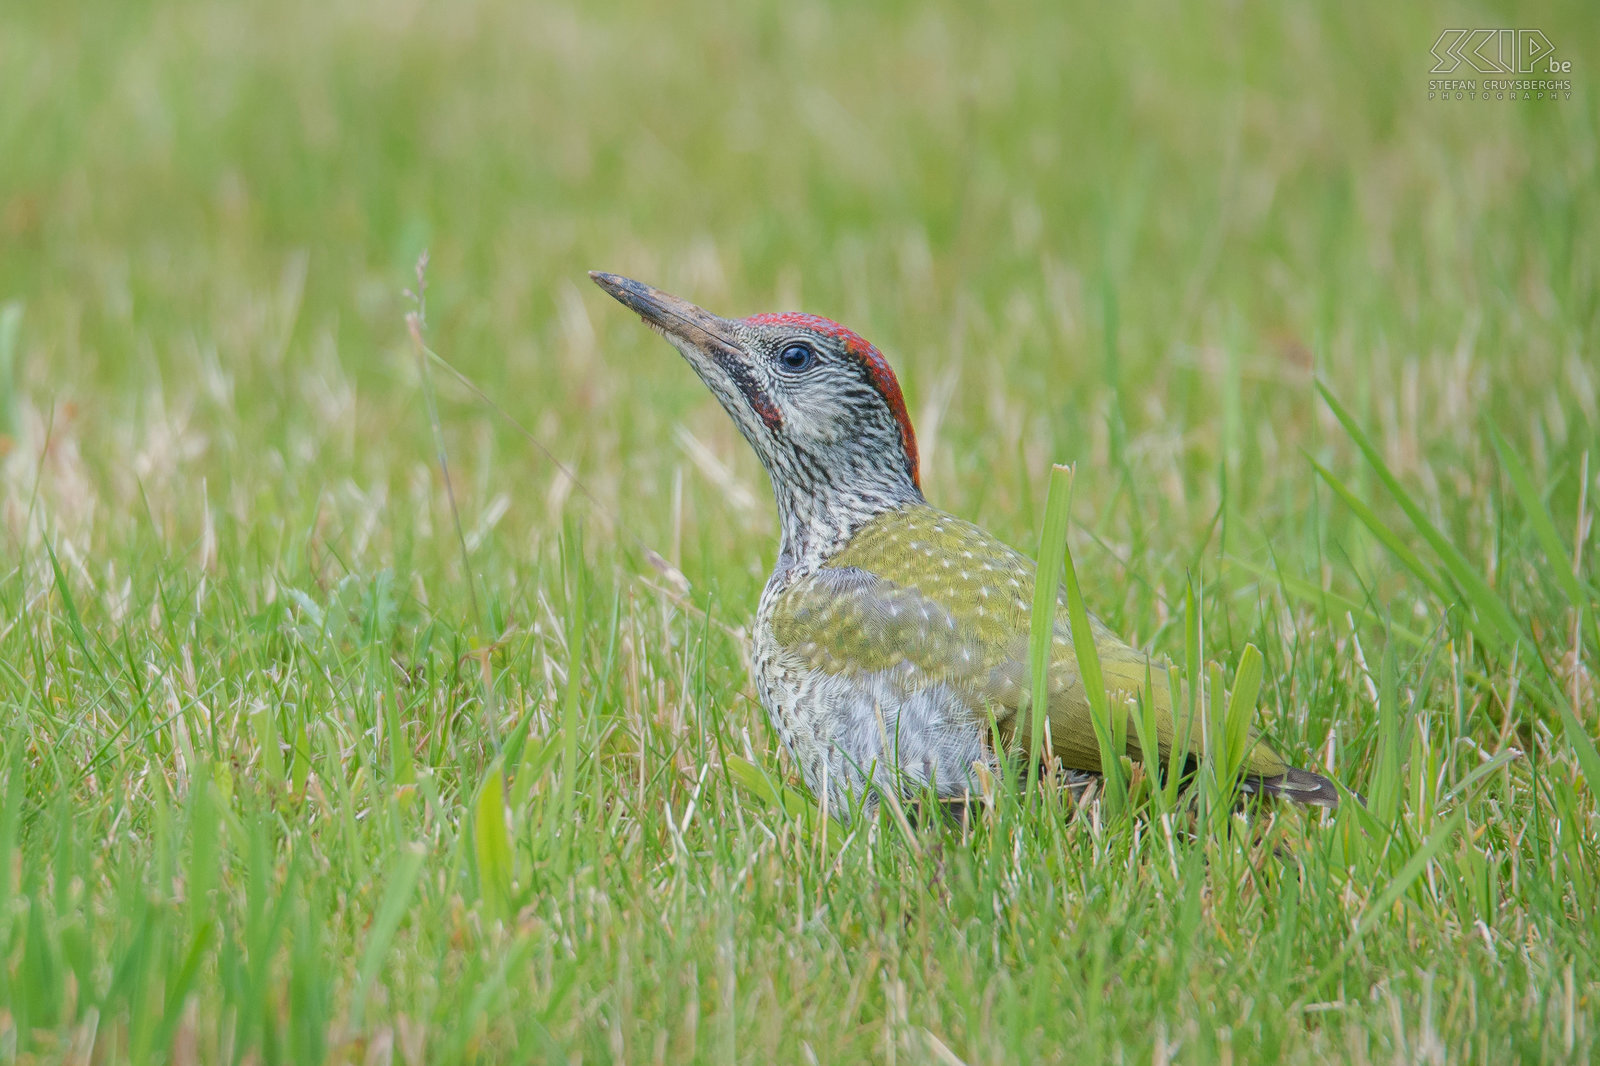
[292, 772]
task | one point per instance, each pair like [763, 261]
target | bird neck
[819, 514]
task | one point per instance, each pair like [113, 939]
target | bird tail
[1126, 671]
[1302, 786]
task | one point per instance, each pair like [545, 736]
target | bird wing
[931, 598]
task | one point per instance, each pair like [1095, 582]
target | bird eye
[798, 357]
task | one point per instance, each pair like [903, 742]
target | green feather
[920, 591]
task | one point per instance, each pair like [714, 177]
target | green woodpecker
[891, 641]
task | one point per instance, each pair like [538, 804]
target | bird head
[816, 401]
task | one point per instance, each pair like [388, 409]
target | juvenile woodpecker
[891, 641]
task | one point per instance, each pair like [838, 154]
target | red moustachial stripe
[870, 358]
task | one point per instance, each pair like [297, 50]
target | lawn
[308, 754]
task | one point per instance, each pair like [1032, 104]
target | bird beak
[678, 319]
[710, 344]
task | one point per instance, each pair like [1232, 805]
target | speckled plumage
[890, 644]
[923, 619]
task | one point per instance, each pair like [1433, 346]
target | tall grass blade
[1402, 881]
[1106, 733]
[1491, 619]
[1041, 630]
[1479, 596]
[1145, 730]
[577, 624]
[1408, 874]
[753, 779]
[1183, 695]
[414, 324]
[10, 330]
[1241, 710]
[491, 844]
[1544, 526]
[402, 883]
[1385, 784]
[1388, 537]
[1331, 603]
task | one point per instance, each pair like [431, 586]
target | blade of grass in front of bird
[1041, 632]
[1088, 656]
[1217, 783]
[1241, 709]
[753, 779]
[1182, 726]
[1184, 708]
[1147, 733]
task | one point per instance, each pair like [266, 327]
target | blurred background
[1123, 235]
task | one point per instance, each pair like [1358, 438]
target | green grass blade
[10, 330]
[577, 628]
[1094, 687]
[1242, 709]
[10, 823]
[1384, 782]
[1544, 527]
[1582, 743]
[1315, 596]
[80, 634]
[1145, 730]
[1041, 630]
[1219, 785]
[1498, 626]
[1479, 773]
[1402, 881]
[265, 720]
[1184, 696]
[402, 883]
[753, 779]
[205, 851]
[1389, 538]
[1408, 874]
[1479, 596]
[402, 765]
[491, 844]
[1182, 739]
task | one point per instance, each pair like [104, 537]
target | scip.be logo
[1497, 52]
